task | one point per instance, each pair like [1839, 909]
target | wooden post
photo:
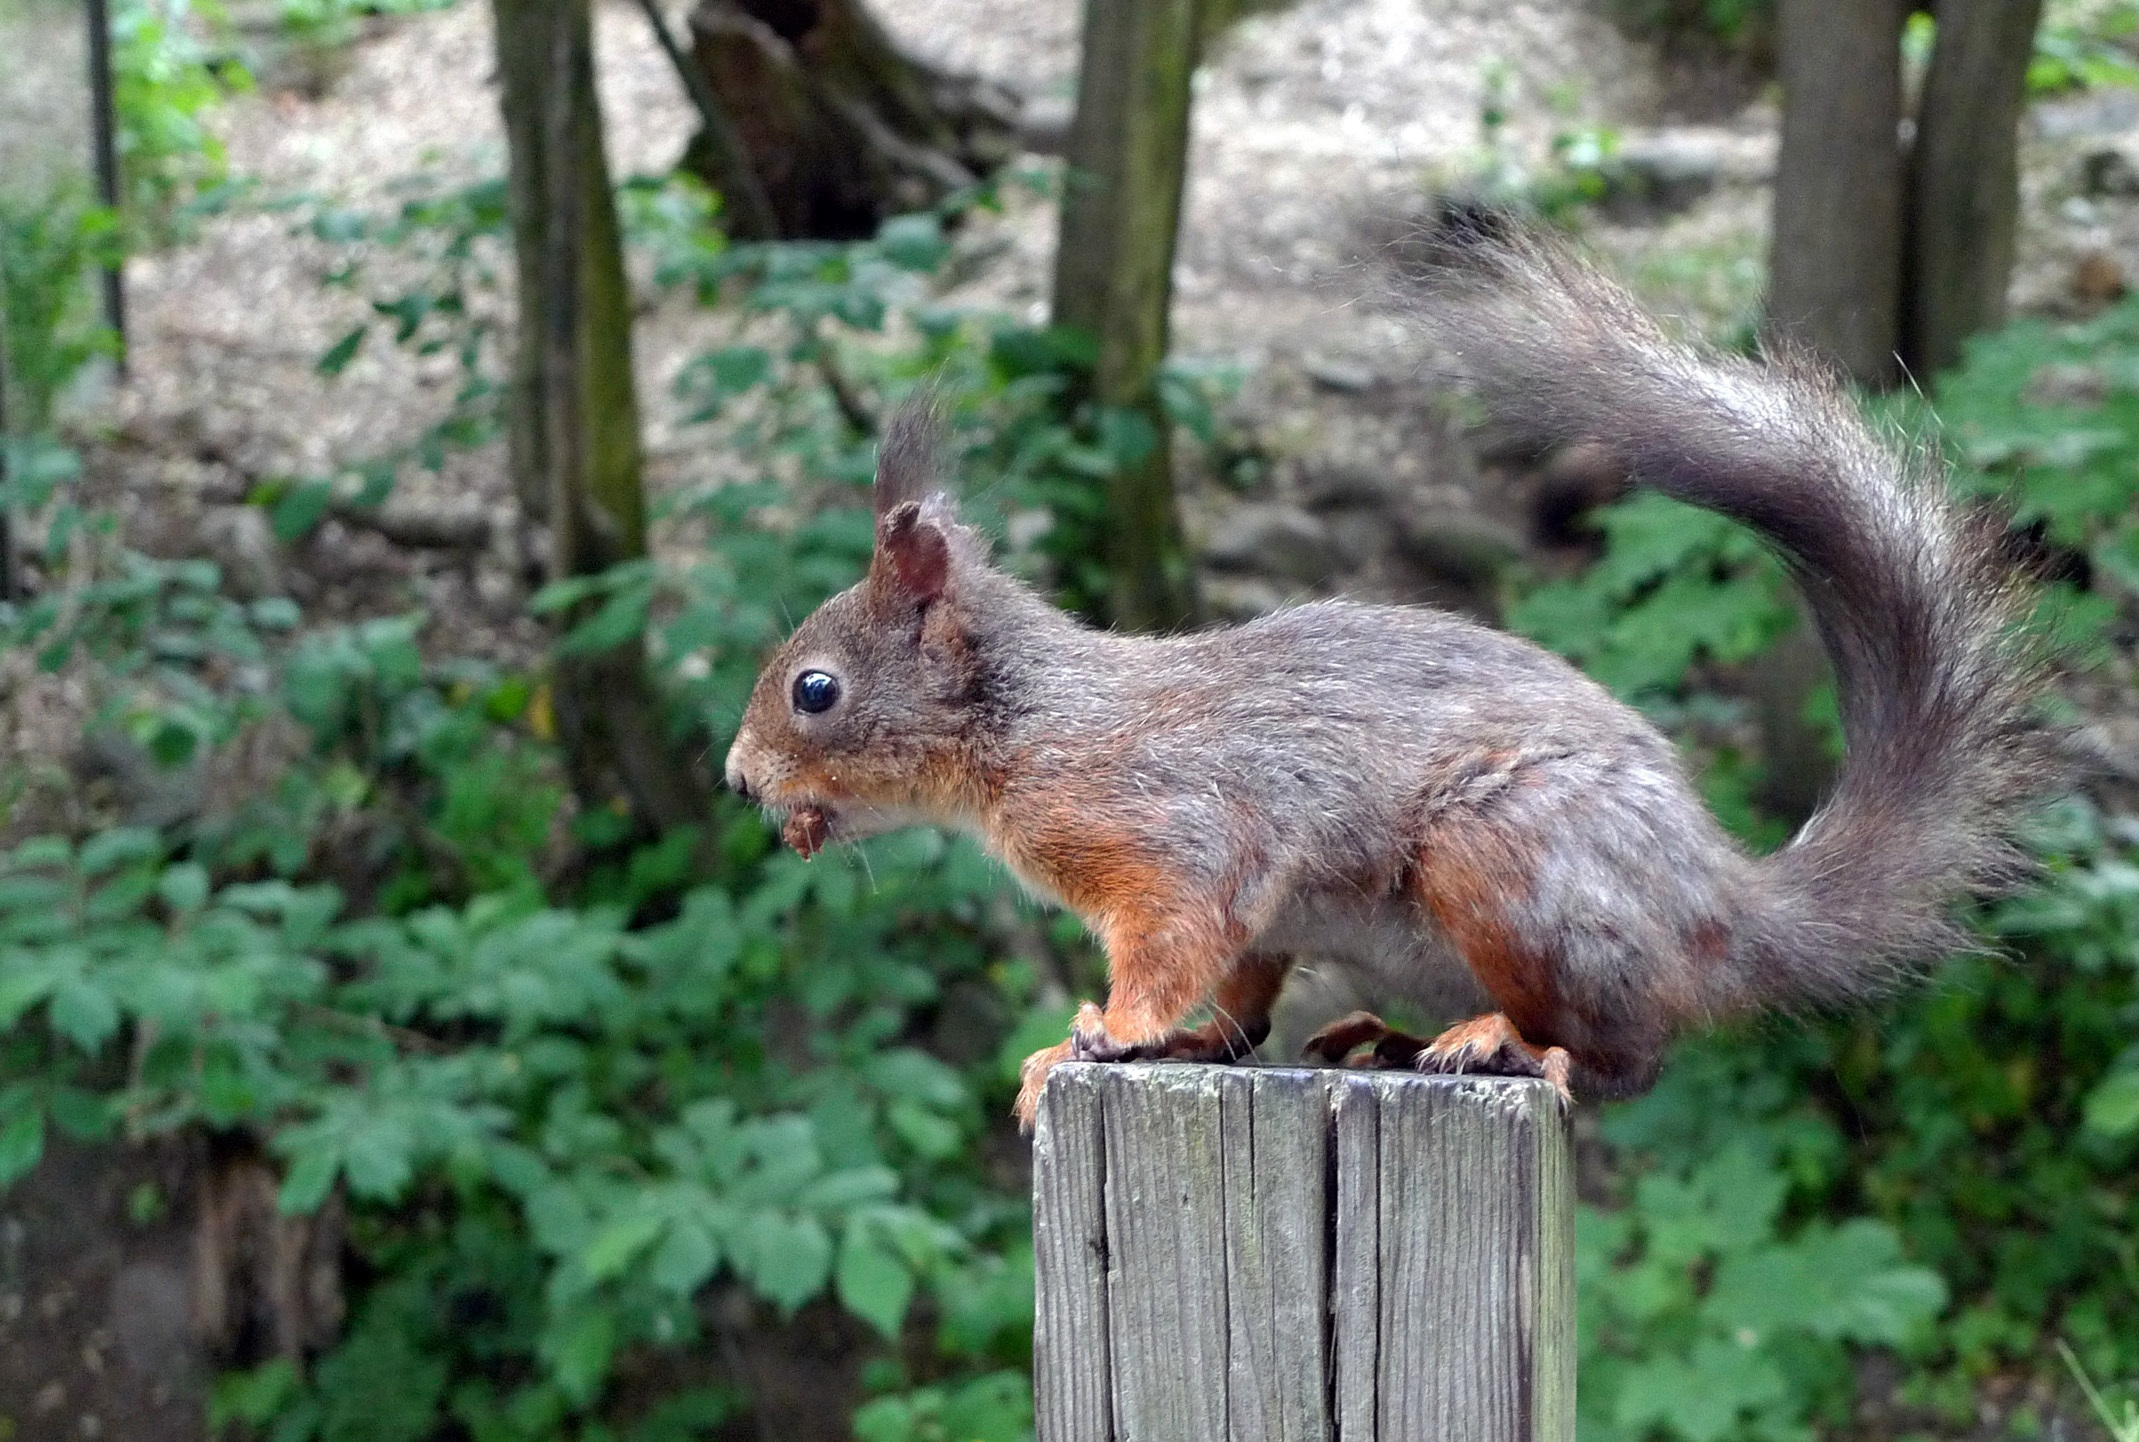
[1252, 1254]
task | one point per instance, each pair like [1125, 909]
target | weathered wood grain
[1461, 1265]
[1275, 1139]
[1355, 1298]
[1072, 1398]
[1166, 1273]
[1278, 1255]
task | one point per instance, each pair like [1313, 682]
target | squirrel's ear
[913, 553]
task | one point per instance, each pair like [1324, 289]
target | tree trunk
[1121, 207]
[842, 129]
[1835, 273]
[1964, 178]
[575, 415]
[523, 57]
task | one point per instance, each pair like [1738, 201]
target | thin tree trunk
[1964, 178]
[1121, 208]
[1835, 273]
[523, 43]
[577, 398]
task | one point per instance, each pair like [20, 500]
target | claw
[1089, 1040]
[1491, 1046]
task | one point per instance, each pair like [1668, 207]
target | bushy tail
[1925, 620]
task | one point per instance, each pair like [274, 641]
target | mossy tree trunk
[1121, 208]
[575, 417]
[842, 129]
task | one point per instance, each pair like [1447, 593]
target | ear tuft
[913, 553]
[909, 461]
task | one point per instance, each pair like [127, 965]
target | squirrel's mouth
[809, 825]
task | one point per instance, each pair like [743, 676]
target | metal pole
[104, 126]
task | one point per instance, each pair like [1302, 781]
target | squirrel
[1411, 790]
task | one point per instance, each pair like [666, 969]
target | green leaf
[836, 1191]
[1700, 1398]
[378, 1157]
[183, 887]
[1126, 436]
[44, 851]
[721, 375]
[579, 1347]
[786, 1258]
[619, 619]
[563, 594]
[1847, 1283]
[873, 1280]
[686, 1257]
[274, 613]
[932, 1136]
[887, 1419]
[618, 1244]
[2112, 1109]
[309, 1179]
[22, 987]
[913, 242]
[993, 1408]
[254, 1397]
[22, 1141]
[84, 1013]
[300, 509]
[343, 351]
[108, 850]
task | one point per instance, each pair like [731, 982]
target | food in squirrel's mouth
[806, 829]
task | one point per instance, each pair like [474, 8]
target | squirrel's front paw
[1032, 1080]
[1089, 1040]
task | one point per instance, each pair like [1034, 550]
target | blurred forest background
[402, 1038]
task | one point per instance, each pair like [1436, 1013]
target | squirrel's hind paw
[1491, 1046]
[1483, 1046]
[1338, 1043]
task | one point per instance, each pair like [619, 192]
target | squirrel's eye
[816, 692]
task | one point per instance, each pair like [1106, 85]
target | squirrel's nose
[738, 782]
